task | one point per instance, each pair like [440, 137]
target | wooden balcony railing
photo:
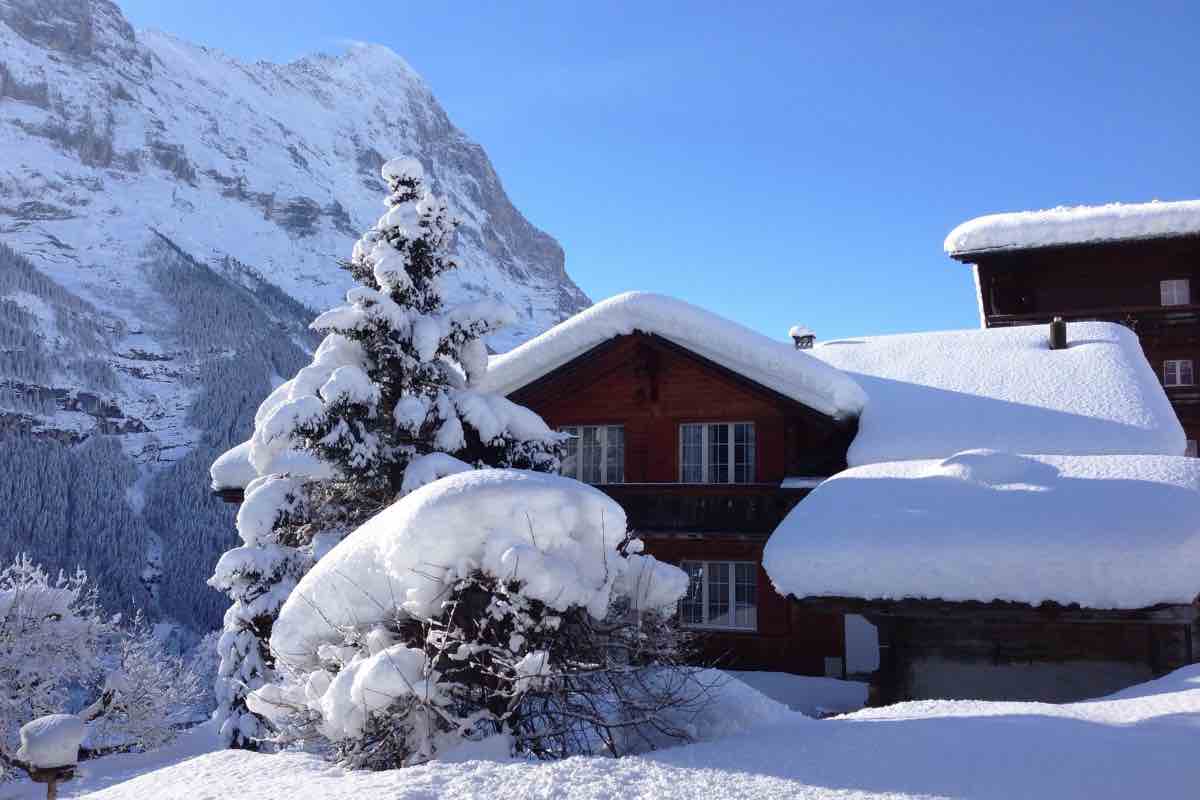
[699, 508]
[1139, 318]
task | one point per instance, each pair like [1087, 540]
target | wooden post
[52, 777]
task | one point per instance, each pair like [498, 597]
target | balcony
[1142, 319]
[704, 508]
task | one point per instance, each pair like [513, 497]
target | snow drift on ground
[1075, 225]
[773, 364]
[1137, 743]
[1101, 531]
[813, 697]
[930, 395]
[556, 535]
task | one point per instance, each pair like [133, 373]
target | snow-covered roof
[930, 395]
[1070, 225]
[773, 364]
[1106, 532]
[798, 331]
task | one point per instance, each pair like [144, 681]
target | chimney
[1058, 334]
[802, 337]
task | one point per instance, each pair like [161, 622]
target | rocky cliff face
[174, 217]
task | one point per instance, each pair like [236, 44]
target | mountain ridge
[175, 217]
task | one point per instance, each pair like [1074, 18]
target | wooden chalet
[1137, 265]
[705, 460]
[994, 575]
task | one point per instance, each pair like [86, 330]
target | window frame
[731, 452]
[1176, 365]
[602, 428]
[1170, 290]
[731, 600]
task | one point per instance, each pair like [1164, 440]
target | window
[1190, 450]
[716, 452]
[595, 453]
[1175, 292]
[1177, 372]
[721, 594]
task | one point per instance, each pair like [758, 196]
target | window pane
[1175, 292]
[1170, 373]
[1191, 448]
[743, 452]
[691, 463]
[691, 606]
[614, 454]
[589, 454]
[718, 594]
[570, 462]
[718, 454]
[1185, 373]
[746, 596]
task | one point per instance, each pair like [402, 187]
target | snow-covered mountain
[173, 218]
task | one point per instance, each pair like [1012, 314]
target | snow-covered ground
[1137, 743]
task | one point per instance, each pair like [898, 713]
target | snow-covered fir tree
[386, 406]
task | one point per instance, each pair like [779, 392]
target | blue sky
[779, 163]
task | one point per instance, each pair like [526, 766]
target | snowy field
[1138, 743]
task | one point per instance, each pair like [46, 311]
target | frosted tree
[155, 693]
[51, 632]
[386, 406]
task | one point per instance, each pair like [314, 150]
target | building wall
[980, 656]
[1113, 281]
[788, 639]
[652, 387]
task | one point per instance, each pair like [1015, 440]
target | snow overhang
[772, 364]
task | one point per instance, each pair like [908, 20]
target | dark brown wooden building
[1138, 265]
[706, 462]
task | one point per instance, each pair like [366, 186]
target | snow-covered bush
[492, 602]
[388, 404]
[155, 693]
[51, 631]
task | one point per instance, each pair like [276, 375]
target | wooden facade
[1113, 281]
[651, 387]
[931, 649]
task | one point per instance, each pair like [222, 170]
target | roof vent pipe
[1058, 334]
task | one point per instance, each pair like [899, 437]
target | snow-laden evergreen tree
[386, 406]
